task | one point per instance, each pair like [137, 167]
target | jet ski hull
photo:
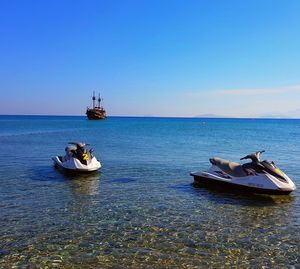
[75, 166]
[201, 180]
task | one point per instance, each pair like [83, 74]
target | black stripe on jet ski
[202, 181]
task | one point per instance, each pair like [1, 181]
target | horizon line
[149, 116]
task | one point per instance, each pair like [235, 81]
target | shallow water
[142, 210]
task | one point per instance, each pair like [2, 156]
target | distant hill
[294, 114]
[208, 116]
[273, 116]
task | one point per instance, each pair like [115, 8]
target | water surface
[142, 210]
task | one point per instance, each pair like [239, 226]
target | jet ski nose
[287, 189]
[212, 161]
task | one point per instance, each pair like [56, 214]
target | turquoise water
[142, 210]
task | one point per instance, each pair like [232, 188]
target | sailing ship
[97, 112]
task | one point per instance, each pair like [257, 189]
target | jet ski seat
[231, 168]
[70, 151]
[70, 148]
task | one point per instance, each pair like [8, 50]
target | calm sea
[142, 210]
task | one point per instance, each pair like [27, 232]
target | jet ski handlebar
[254, 157]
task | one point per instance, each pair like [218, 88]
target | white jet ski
[78, 158]
[256, 177]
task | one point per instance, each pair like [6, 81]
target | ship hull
[96, 114]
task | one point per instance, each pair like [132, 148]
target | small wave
[40, 132]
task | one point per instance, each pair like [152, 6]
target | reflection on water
[85, 184]
[240, 197]
[81, 183]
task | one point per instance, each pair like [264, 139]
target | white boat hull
[262, 183]
[73, 164]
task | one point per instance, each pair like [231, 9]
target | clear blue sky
[162, 58]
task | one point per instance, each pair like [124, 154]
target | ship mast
[94, 98]
[99, 100]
